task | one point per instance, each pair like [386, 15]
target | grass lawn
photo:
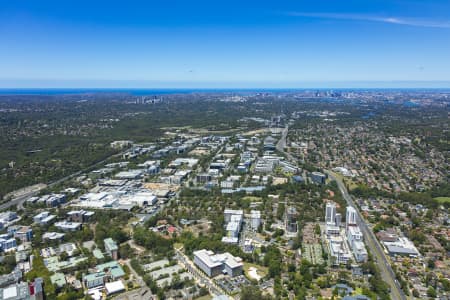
[442, 199]
[347, 180]
[262, 271]
[178, 246]
[357, 291]
[206, 297]
[252, 198]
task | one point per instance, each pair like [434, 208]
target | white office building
[354, 234]
[255, 219]
[330, 213]
[359, 251]
[43, 218]
[230, 212]
[351, 216]
[215, 264]
[355, 241]
[68, 226]
[339, 250]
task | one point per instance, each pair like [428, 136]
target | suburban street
[373, 245]
[371, 241]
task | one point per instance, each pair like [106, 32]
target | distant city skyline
[232, 44]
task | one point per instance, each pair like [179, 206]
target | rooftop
[110, 244]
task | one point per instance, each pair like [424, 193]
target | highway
[281, 144]
[372, 243]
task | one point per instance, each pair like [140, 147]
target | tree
[8, 264]
[253, 293]
[431, 292]
[125, 251]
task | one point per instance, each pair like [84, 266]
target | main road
[22, 198]
[281, 144]
[371, 241]
[375, 248]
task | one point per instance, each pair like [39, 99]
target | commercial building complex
[215, 264]
[343, 243]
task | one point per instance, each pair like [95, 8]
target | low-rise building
[112, 268]
[111, 248]
[81, 216]
[53, 236]
[43, 218]
[7, 245]
[94, 280]
[318, 177]
[24, 233]
[402, 247]
[58, 279]
[7, 217]
[68, 226]
[215, 264]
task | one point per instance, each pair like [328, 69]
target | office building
[228, 213]
[215, 264]
[339, 250]
[233, 224]
[7, 217]
[43, 218]
[68, 226]
[330, 213]
[359, 251]
[80, 216]
[351, 216]
[255, 219]
[203, 178]
[318, 178]
[111, 248]
[291, 221]
[338, 219]
[24, 233]
[354, 234]
[7, 245]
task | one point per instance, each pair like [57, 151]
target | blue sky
[224, 43]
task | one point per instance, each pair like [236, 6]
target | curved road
[374, 246]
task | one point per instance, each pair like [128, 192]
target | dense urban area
[226, 195]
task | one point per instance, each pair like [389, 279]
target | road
[139, 279]
[387, 273]
[199, 276]
[281, 144]
[375, 248]
[18, 200]
[22, 198]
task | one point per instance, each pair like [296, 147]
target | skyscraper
[338, 219]
[291, 220]
[330, 213]
[351, 216]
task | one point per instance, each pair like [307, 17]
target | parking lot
[232, 285]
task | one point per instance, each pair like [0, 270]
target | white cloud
[371, 18]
